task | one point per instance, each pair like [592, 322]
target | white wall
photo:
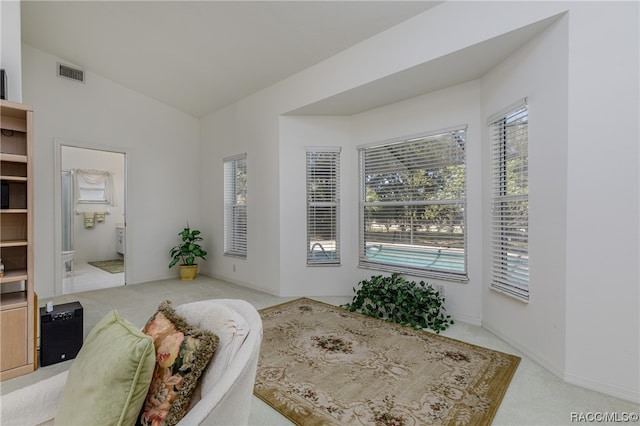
[99, 241]
[583, 327]
[162, 147]
[458, 105]
[10, 52]
[296, 133]
[537, 71]
[454, 106]
[252, 126]
[245, 127]
[574, 78]
[602, 272]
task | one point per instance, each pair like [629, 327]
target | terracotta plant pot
[188, 272]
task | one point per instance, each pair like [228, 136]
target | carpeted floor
[114, 266]
[323, 365]
[534, 397]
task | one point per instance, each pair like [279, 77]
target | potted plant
[186, 253]
[396, 299]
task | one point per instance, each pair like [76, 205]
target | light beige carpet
[323, 365]
[114, 266]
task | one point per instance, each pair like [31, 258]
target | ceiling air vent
[70, 72]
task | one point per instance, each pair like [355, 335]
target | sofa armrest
[228, 401]
[34, 404]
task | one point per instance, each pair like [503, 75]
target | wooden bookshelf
[18, 320]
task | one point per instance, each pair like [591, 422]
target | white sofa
[226, 386]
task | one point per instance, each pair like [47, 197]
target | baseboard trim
[526, 351]
[466, 319]
[606, 388]
[240, 283]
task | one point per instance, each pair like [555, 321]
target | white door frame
[57, 200]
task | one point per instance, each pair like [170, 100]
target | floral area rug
[323, 365]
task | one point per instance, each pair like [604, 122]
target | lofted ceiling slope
[199, 56]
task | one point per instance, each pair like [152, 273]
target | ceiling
[457, 67]
[199, 56]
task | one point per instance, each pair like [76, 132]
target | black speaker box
[60, 333]
[4, 90]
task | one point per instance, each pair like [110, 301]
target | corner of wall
[11, 57]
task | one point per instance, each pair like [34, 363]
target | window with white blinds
[510, 202]
[412, 205]
[323, 206]
[235, 206]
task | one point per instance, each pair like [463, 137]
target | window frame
[509, 268]
[458, 134]
[235, 206]
[327, 199]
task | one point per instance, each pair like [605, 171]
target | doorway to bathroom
[92, 218]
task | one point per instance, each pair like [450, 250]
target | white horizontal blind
[412, 205]
[510, 203]
[323, 206]
[235, 206]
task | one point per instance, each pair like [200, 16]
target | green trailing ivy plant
[396, 299]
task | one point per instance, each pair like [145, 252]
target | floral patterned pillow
[182, 354]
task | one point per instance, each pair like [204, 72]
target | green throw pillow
[110, 377]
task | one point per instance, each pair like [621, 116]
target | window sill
[416, 272]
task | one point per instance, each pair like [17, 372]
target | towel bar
[97, 211]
